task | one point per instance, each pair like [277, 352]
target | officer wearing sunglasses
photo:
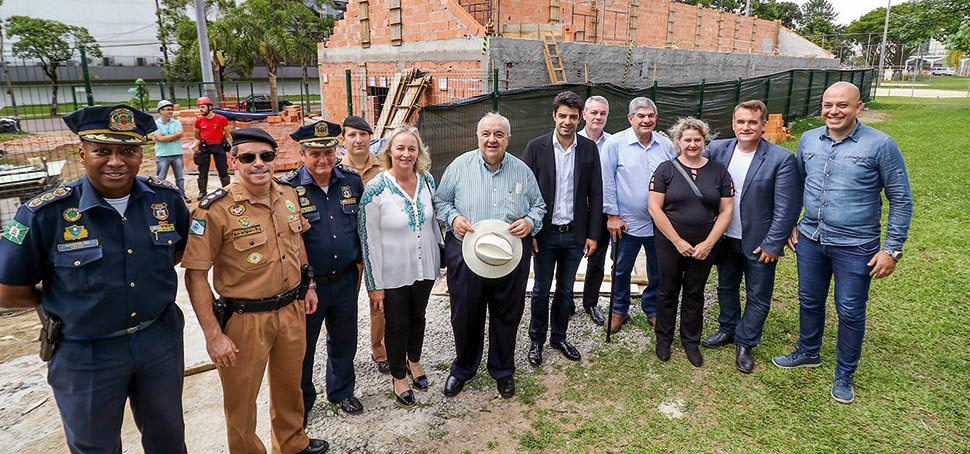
[250, 234]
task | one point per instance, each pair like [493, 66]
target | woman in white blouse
[400, 238]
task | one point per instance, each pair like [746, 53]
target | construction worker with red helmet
[212, 132]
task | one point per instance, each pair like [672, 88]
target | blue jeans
[626, 255]
[559, 252]
[759, 283]
[817, 265]
[175, 162]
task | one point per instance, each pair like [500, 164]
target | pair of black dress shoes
[505, 386]
[568, 351]
[743, 359]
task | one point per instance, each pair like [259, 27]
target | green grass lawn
[934, 82]
[913, 382]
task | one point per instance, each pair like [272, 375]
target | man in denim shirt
[845, 166]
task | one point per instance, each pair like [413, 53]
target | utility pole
[205, 55]
[747, 8]
[882, 50]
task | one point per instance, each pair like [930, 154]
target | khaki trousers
[279, 339]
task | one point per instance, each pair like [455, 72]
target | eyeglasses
[249, 158]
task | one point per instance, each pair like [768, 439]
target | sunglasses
[249, 158]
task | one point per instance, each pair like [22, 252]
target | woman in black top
[691, 227]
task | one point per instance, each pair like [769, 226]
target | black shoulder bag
[441, 243]
[716, 250]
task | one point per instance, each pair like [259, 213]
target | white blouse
[399, 234]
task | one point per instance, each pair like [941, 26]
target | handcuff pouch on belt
[50, 333]
[222, 311]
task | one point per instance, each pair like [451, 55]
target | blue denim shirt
[844, 182]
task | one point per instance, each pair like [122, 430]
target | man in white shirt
[595, 114]
[766, 205]
[567, 169]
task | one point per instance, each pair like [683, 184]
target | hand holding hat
[490, 249]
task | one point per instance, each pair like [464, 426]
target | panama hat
[491, 251]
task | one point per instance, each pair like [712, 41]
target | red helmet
[203, 100]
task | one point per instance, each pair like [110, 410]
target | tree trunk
[52, 75]
[271, 72]
[306, 88]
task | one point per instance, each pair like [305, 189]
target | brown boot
[615, 322]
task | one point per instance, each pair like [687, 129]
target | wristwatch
[896, 255]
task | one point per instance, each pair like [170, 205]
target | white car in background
[942, 71]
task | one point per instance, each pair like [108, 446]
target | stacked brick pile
[278, 126]
[775, 130]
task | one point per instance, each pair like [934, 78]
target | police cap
[321, 134]
[115, 124]
[246, 135]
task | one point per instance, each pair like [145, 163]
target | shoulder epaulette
[346, 168]
[288, 177]
[49, 196]
[212, 197]
[159, 183]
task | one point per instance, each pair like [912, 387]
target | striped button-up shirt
[469, 188]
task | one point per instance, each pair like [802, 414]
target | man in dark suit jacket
[767, 202]
[567, 168]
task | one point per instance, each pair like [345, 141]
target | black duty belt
[242, 306]
[335, 275]
[562, 228]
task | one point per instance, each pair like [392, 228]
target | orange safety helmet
[203, 100]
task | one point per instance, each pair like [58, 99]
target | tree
[311, 29]
[866, 32]
[818, 11]
[787, 13]
[947, 20]
[731, 6]
[51, 42]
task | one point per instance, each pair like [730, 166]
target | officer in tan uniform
[356, 136]
[249, 233]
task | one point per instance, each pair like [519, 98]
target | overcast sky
[850, 10]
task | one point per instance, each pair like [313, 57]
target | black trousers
[681, 273]
[596, 268]
[404, 309]
[219, 155]
[471, 296]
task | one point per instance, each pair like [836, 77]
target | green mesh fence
[449, 129]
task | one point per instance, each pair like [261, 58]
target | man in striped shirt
[493, 185]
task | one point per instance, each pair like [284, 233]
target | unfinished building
[464, 44]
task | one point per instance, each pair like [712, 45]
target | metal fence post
[495, 89]
[350, 97]
[87, 76]
[700, 106]
[808, 95]
[791, 85]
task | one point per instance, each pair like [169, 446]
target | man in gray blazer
[767, 201]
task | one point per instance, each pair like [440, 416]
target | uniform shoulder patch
[289, 177]
[346, 168]
[159, 183]
[47, 197]
[212, 197]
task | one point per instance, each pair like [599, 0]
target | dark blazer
[587, 184]
[771, 198]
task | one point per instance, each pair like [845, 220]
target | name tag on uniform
[77, 245]
[348, 201]
[245, 232]
[308, 209]
[162, 227]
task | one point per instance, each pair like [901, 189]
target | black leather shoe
[419, 383]
[383, 367]
[406, 399]
[453, 386]
[695, 357]
[744, 360]
[663, 352]
[568, 351]
[316, 447]
[595, 315]
[506, 387]
[351, 406]
[535, 354]
[718, 340]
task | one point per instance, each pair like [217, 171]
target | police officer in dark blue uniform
[104, 249]
[329, 194]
